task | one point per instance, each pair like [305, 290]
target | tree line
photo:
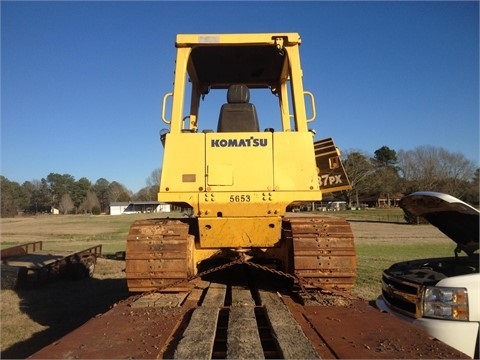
[69, 196]
[425, 168]
[387, 172]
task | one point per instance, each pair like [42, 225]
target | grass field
[381, 238]
[31, 319]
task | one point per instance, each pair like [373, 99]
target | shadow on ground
[62, 306]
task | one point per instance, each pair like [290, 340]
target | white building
[137, 207]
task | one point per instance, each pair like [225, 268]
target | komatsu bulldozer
[237, 170]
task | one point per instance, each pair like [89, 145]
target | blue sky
[82, 82]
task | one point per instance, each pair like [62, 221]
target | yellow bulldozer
[238, 170]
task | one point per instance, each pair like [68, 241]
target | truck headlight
[448, 303]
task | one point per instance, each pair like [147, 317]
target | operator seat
[238, 115]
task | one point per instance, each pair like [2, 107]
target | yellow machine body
[236, 174]
[239, 183]
[232, 186]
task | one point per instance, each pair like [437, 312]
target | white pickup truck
[440, 295]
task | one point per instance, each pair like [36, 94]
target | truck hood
[456, 219]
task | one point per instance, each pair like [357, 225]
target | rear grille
[402, 296]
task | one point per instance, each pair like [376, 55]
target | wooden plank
[242, 296]
[292, 341]
[198, 338]
[215, 296]
[243, 339]
[195, 295]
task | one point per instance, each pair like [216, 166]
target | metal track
[323, 251]
[157, 254]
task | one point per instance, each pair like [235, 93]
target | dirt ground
[367, 232]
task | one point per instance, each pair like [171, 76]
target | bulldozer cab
[246, 63]
[222, 79]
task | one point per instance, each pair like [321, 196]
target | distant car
[440, 295]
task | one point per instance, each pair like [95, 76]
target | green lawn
[372, 259]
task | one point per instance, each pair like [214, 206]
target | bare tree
[66, 204]
[358, 168]
[385, 180]
[91, 200]
[142, 195]
[432, 168]
[154, 178]
[118, 192]
[153, 184]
